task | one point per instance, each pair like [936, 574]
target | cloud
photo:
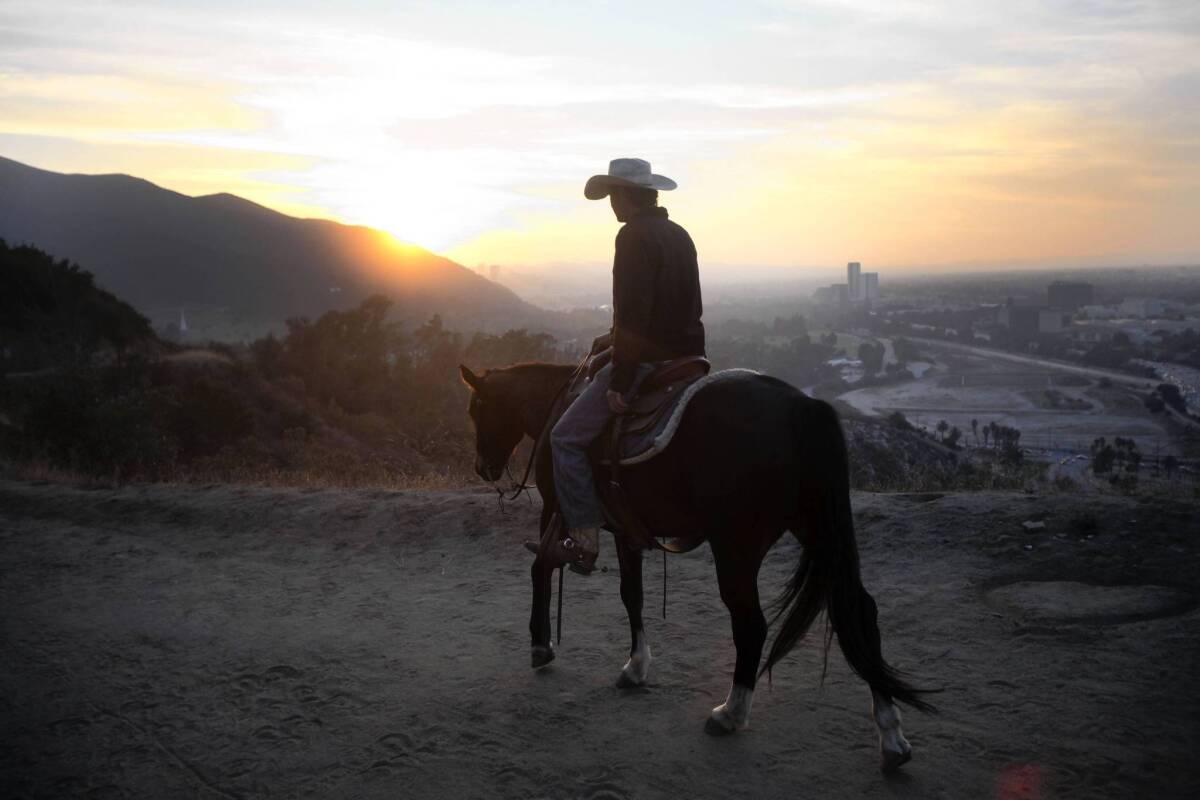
[819, 116]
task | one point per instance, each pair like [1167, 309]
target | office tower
[870, 286]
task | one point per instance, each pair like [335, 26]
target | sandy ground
[168, 642]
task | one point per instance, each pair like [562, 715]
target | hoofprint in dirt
[246, 642]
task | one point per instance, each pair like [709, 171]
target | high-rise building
[870, 284]
[854, 280]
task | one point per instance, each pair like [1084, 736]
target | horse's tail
[827, 576]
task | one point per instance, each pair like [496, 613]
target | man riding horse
[749, 458]
[656, 317]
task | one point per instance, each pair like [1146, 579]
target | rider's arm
[633, 302]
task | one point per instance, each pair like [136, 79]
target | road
[1091, 372]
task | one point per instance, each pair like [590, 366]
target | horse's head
[497, 422]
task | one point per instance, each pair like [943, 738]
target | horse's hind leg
[737, 575]
[894, 749]
[637, 668]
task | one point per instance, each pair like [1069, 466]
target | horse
[752, 457]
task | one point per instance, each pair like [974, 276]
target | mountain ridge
[159, 248]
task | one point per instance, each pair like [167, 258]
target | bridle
[522, 487]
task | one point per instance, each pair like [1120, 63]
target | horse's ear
[469, 378]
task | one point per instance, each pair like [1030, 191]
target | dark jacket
[656, 296]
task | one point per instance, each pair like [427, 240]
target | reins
[522, 487]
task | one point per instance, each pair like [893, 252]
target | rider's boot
[580, 554]
[578, 549]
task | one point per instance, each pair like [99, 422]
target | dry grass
[363, 477]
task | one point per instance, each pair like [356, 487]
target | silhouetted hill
[53, 315]
[158, 248]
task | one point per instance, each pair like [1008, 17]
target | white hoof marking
[637, 668]
[734, 713]
[894, 749]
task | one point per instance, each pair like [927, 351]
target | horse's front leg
[542, 651]
[638, 666]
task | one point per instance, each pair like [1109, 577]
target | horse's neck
[538, 396]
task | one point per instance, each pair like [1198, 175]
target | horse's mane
[526, 368]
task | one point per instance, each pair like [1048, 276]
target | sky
[902, 134]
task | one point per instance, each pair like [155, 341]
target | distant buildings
[1052, 320]
[1028, 321]
[1031, 321]
[870, 286]
[1143, 307]
[1021, 320]
[1069, 295]
[836, 294]
[854, 280]
[859, 287]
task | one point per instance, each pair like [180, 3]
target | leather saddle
[654, 399]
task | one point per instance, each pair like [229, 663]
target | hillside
[160, 249]
[53, 315]
[166, 641]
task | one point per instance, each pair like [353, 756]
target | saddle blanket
[642, 445]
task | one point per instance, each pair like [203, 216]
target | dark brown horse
[752, 458]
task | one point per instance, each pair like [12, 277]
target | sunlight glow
[912, 134]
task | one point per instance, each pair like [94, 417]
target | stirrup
[580, 561]
[566, 551]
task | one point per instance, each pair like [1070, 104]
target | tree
[942, 427]
[1170, 463]
[871, 355]
[905, 350]
[975, 430]
[53, 314]
[1009, 439]
[1103, 456]
[952, 439]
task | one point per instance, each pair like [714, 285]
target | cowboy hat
[625, 172]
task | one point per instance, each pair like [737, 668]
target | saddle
[656, 398]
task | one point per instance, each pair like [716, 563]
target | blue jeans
[573, 434]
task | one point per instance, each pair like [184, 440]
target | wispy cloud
[471, 126]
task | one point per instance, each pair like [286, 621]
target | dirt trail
[247, 642]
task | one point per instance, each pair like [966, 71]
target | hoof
[891, 761]
[627, 681]
[719, 726]
[541, 656]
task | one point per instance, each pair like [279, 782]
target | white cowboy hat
[626, 172]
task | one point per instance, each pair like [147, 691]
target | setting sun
[983, 134]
